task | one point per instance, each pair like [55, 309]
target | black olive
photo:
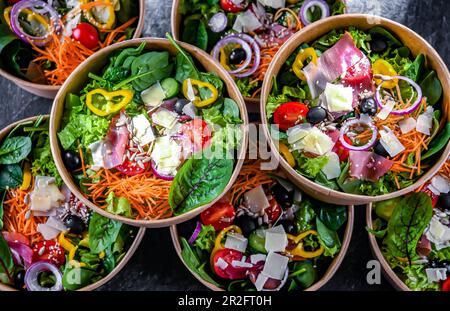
[179, 105]
[316, 115]
[19, 279]
[246, 223]
[379, 149]
[378, 44]
[368, 106]
[288, 225]
[72, 160]
[237, 56]
[281, 195]
[75, 224]
[435, 263]
[444, 201]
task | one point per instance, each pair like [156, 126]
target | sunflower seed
[146, 160]
[260, 222]
[140, 148]
[141, 165]
[132, 157]
[133, 149]
[28, 214]
[41, 251]
[26, 199]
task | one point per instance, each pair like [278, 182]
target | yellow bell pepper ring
[218, 242]
[284, 150]
[26, 182]
[112, 105]
[106, 9]
[382, 67]
[189, 92]
[7, 14]
[301, 57]
[67, 245]
[299, 251]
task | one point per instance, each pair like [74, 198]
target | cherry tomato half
[446, 285]
[290, 114]
[342, 152]
[49, 251]
[220, 215]
[230, 272]
[230, 6]
[86, 34]
[273, 211]
[198, 132]
[131, 168]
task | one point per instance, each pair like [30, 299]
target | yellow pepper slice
[85, 241]
[188, 87]
[299, 250]
[218, 242]
[383, 67]
[301, 57]
[284, 150]
[101, 24]
[76, 263]
[111, 105]
[7, 14]
[223, 59]
[67, 245]
[26, 182]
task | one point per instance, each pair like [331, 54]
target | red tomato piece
[49, 251]
[290, 114]
[198, 132]
[340, 150]
[446, 285]
[230, 272]
[131, 168]
[230, 6]
[220, 215]
[86, 34]
[273, 211]
[434, 198]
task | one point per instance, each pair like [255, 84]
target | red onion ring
[227, 40]
[39, 7]
[302, 14]
[401, 112]
[345, 127]
[32, 274]
[256, 50]
[158, 174]
[195, 234]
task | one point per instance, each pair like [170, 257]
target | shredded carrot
[83, 167]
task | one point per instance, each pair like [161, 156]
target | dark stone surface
[155, 266]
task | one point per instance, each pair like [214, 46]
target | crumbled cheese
[241, 264]
[166, 155]
[339, 98]
[236, 241]
[390, 142]
[256, 199]
[261, 281]
[333, 168]
[275, 266]
[276, 239]
[143, 131]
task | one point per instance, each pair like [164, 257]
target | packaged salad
[356, 112]
[42, 41]
[265, 235]
[244, 35]
[411, 235]
[49, 240]
[158, 137]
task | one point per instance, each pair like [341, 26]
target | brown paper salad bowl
[50, 240]
[149, 132]
[357, 109]
[43, 43]
[219, 28]
[410, 235]
[265, 234]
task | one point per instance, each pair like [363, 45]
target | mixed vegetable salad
[49, 240]
[355, 112]
[264, 235]
[151, 137]
[244, 35]
[414, 234]
[44, 41]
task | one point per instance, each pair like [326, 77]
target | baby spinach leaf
[431, 88]
[185, 65]
[75, 278]
[6, 262]
[124, 54]
[438, 143]
[304, 217]
[230, 108]
[327, 236]
[333, 216]
[213, 79]
[202, 36]
[392, 40]
[198, 182]
[102, 232]
[148, 68]
[15, 149]
[10, 176]
[6, 36]
[15, 56]
[415, 69]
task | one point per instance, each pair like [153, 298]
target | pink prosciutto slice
[365, 165]
[115, 144]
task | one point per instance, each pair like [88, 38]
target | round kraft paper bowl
[334, 266]
[49, 91]
[390, 275]
[137, 240]
[95, 63]
[410, 39]
[252, 103]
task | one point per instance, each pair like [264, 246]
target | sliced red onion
[364, 119]
[218, 22]
[256, 54]
[195, 234]
[39, 7]
[232, 39]
[407, 110]
[32, 277]
[308, 4]
[169, 104]
[158, 174]
[21, 251]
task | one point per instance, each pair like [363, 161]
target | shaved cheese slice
[333, 168]
[339, 98]
[222, 264]
[254, 259]
[275, 266]
[298, 132]
[390, 142]
[438, 233]
[154, 95]
[276, 239]
[407, 125]
[441, 184]
[164, 118]
[241, 264]
[276, 4]
[246, 22]
[436, 274]
[49, 233]
[315, 141]
[425, 121]
[56, 223]
[143, 130]
[261, 281]
[236, 241]
[256, 199]
[387, 109]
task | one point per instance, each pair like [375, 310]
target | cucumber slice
[170, 87]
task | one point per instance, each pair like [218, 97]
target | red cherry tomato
[86, 34]
[340, 150]
[434, 198]
[230, 6]
[230, 272]
[290, 114]
[198, 132]
[49, 251]
[131, 168]
[273, 211]
[220, 215]
[16, 237]
[446, 285]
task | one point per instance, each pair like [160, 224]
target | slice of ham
[424, 246]
[365, 165]
[115, 144]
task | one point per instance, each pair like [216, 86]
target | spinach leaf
[118, 205]
[6, 263]
[438, 143]
[392, 40]
[322, 179]
[333, 216]
[231, 109]
[198, 182]
[202, 36]
[102, 232]
[328, 238]
[185, 68]
[149, 68]
[15, 149]
[415, 69]
[407, 224]
[16, 56]
[125, 53]
[431, 88]
[10, 176]
[75, 278]
[213, 79]
[304, 217]
[6, 36]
